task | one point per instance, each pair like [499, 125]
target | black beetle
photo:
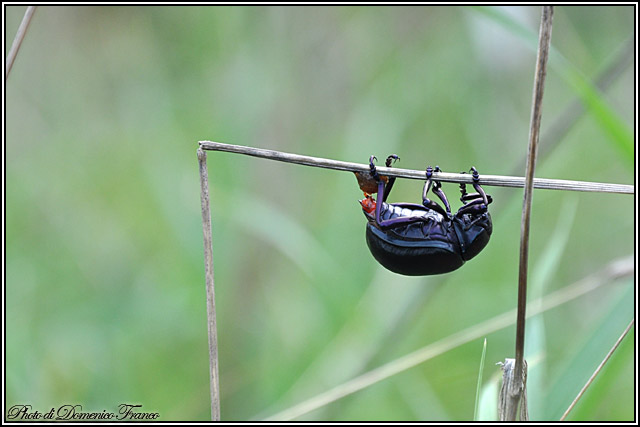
[420, 240]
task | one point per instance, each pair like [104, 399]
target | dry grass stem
[490, 180]
[17, 41]
[209, 282]
[517, 387]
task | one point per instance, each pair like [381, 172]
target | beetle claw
[372, 168]
[391, 159]
[437, 184]
[476, 175]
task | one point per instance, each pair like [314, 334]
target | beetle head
[367, 183]
[368, 205]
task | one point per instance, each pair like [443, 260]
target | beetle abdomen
[412, 257]
[390, 211]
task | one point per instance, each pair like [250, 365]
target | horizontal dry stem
[491, 180]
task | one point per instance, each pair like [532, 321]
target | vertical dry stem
[211, 303]
[517, 387]
[508, 381]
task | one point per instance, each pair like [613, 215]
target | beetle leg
[442, 197]
[427, 187]
[384, 188]
[474, 196]
[465, 197]
[379, 202]
[386, 223]
[463, 190]
[405, 220]
[390, 160]
[476, 185]
[437, 191]
[373, 171]
[476, 205]
[380, 196]
[372, 168]
[470, 196]
[476, 201]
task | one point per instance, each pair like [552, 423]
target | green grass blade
[488, 408]
[479, 386]
[619, 132]
[543, 273]
[439, 347]
[614, 375]
[570, 377]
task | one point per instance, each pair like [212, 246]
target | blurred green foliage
[104, 266]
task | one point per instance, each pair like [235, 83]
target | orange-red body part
[368, 204]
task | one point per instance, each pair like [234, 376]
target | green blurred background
[105, 296]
